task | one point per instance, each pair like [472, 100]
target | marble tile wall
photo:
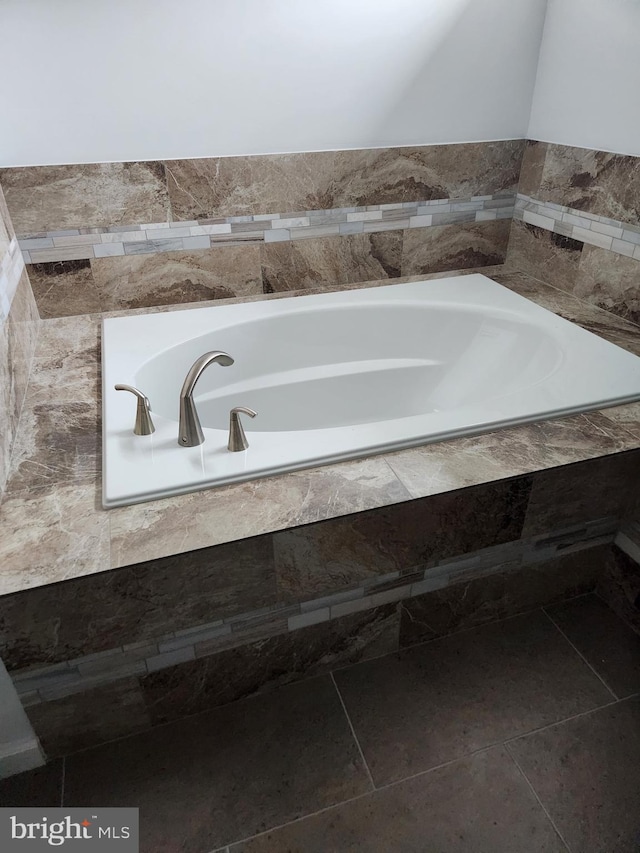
[126, 235]
[141, 698]
[18, 334]
[162, 626]
[577, 224]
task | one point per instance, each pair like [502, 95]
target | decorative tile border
[75, 676]
[619, 237]
[149, 238]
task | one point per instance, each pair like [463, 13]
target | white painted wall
[99, 80]
[588, 86]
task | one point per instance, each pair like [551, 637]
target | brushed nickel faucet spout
[190, 431]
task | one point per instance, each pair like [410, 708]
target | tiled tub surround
[18, 333]
[223, 227]
[243, 258]
[280, 597]
[577, 224]
[154, 238]
[47, 198]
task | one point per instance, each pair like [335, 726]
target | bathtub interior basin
[340, 375]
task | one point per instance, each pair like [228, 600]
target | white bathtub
[340, 375]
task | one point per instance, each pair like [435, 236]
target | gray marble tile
[595, 181]
[608, 644]
[236, 770]
[177, 277]
[532, 168]
[45, 198]
[337, 554]
[449, 247]
[85, 719]
[447, 698]
[500, 595]
[58, 622]
[18, 339]
[586, 773]
[610, 281]
[337, 260]
[64, 288]
[220, 514]
[269, 662]
[581, 492]
[53, 535]
[452, 808]
[230, 186]
[545, 255]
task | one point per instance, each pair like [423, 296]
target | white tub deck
[340, 375]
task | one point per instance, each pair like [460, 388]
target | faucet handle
[144, 424]
[237, 438]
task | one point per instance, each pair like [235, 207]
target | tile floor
[521, 736]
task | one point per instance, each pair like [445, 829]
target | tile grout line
[353, 732]
[578, 652]
[565, 720]
[535, 794]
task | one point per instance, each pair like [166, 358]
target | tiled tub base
[137, 702]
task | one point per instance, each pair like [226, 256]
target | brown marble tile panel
[300, 264]
[498, 596]
[451, 809]
[603, 323]
[39, 788]
[531, 171]
[619, 586]
[445, 699]
[337, 554]
[51, 535]
[231, 186]
[63, 621]
[64, 288]
[586, 773]
[605, 641]
[627, 416]
[252, 668]
[508, 452]
[610, 281]
[234, 771]
[47, 198]
[584, 491]
[450, 247]
[545, 255]
[167, 278]
[18, 339]
[596, 181]
[86, 719]
[58, 443]
[197, 520]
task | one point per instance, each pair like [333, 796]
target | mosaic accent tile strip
[151, 238]
[75, 676]
[601, 231]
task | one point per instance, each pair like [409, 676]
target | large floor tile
[447, 698]
[477, 805]
[39, 788]
[586, 772]
[610, 646]
[218, 777]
